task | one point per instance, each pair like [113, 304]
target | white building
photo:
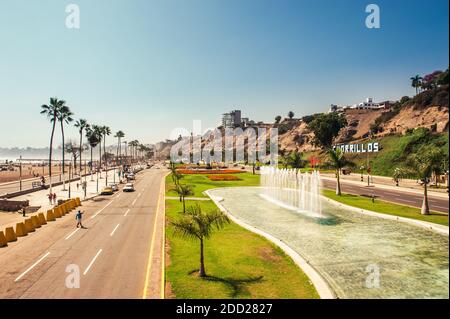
[368, 104]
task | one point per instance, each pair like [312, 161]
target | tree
[183, 191]
[294, 159]
[196, 225]
[421, 165]
[338, 162]
[82, 125]
[93, 139]
[52, 112]
[416, 82]
[98, 133]
[106, 131]
[291, 115]
[326, 127]
[277, 119]
[119, 135]
[65, 116]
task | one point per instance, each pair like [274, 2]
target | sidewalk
[39, 198]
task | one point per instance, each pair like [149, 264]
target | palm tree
[291, 115]
[93, 139]
[174, 173]
[294, 159]
[65, 116]
[421, 165]
[82, 125]
[416, 82]
[106, 131]
[119, 135]
[98, 132]
[196, 225]
[52, 113]
[183, 191]
[338, 162]
[133, 145]
[277, 119]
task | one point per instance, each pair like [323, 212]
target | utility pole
[20, 169]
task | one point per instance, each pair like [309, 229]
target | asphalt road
[111, 256]
[410, 199]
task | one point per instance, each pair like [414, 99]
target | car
[114, 187]
[129, 187]
[131, 176]
[107, 191]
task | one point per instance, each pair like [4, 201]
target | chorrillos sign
[372, 147]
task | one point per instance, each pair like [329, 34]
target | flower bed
[217, 178]
[209, 171]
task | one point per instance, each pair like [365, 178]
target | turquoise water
[359, 256]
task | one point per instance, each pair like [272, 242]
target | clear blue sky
[146, 67]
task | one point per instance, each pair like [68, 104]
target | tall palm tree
[119, 135]
[93, 139]
[98, 132]
[106, 131]
[52, 112]
[416, 82]
[421, 165]
[183, 191]
[133, 145]
[65, 116]
[338, 162]
[196, 225]
[82, 125]
[295, 160]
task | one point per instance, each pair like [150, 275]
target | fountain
[292, 190]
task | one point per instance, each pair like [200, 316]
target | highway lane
[111, 255]
[409, 199]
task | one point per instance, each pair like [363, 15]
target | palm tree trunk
[425, 207]
[100, 159]
[184, 206]
[338, 183]
[51, 153]
[92, 163]
[63, 156]
[202, 272]
[81, 151]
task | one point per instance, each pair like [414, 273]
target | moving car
[114, 187]
[107, 191]
[131, 176]
[129, 187]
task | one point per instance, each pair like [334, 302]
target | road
[124, 232]
[410, 199]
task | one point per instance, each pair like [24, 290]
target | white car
[131, 176]
[114, 187]
[129, 187]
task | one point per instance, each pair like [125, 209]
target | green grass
[201, 183]
[239, 264]
[387, 208]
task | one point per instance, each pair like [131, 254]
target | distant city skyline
[147, 67]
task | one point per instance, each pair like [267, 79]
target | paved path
[119, 255]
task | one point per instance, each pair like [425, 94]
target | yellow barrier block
[57, 213]
[21, 231]
[64, 208]
[29, 225]
[41, 218]
[62, 211]
[35, 221]
[74, 203]
[3, 241]
[78, 201]
[10, 234]
[50, 216]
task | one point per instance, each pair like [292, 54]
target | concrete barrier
[62, 211]
[78, 201]
[41, 218]
[21, 231]
[29, 225]
[57, 213]
[35, 221]
[10, 234]
[50, 216]
[3, 241]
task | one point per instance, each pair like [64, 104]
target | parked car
[131, 176]
[129, 187]
[107, 191]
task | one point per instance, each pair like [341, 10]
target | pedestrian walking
[50, 198]
[54, 198]
[78, 217]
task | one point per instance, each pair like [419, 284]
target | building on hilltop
[232, 119]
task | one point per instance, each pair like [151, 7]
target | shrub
[217, 178]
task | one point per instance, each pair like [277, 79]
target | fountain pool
[350, 248]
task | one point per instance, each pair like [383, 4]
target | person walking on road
[78, 217]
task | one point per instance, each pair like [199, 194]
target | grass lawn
[201, 183]
[239, 264]
[386, 207]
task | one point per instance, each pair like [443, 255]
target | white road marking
[32, 266]
[443, 207]
[139, 195]
[114, 230]
[72, 233]
[134, 202]
[118, 195]
[126, 213]
[92, 217]
[92, 262]
[405, 200]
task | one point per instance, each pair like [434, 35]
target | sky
[147, 67]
